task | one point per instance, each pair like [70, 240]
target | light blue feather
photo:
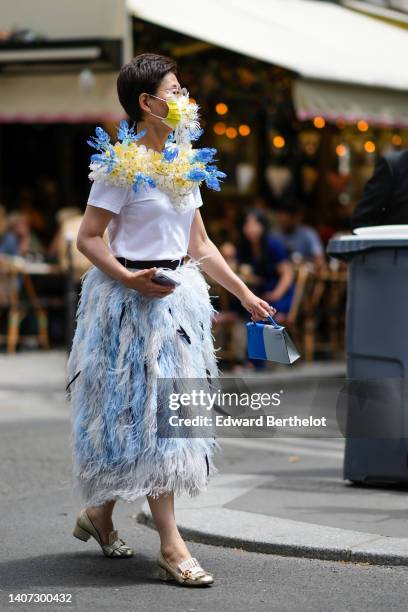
[124, 344]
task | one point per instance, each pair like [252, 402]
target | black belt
[152, 263]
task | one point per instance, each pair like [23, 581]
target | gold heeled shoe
[188, 572]
[84, 529]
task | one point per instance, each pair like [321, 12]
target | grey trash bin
[376, 420]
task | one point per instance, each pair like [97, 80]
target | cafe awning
[393, 13]
[315, 39]
[349, 103]
[347, 54]
[59, 98]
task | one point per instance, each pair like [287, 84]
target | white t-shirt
[146, 225]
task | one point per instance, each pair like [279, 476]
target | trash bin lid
[344, 247]
[400, 230]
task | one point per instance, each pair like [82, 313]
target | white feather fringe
[123, 342]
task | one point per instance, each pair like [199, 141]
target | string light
[244, 130]
[341, 150]
[221, 108]
[231, 132]
[396, 140]
[362, 125]
[369, 146]
[278, 142]
[219, 128]
[319, 122]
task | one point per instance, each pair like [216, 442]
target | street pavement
[283, 496]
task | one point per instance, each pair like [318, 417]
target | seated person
[268, 259]
[19, 239]
[262, 260]
[9, 244]
[8, 240]
[301, 240]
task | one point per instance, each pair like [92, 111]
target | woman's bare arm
[214, 264]
[90, 242]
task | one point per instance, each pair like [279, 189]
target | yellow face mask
[176, 105]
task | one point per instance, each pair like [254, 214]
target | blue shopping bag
[271, 342]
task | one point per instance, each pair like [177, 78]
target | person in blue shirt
[301, 240]
[269, 261]
[9, 244]
[20, 239]
[8, 240]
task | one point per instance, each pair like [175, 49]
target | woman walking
[130, 329]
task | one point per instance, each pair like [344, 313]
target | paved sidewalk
[34, 369]
[41, 370]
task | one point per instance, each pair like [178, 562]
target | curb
[287, 550]
[208, 518]
[251, 546]
[295, 376]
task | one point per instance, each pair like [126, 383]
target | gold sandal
[188, 572]
[84, 529]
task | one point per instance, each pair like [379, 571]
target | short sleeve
[110, 197]
[197, 196]
[9, 244]
[316, 246]
[277, 250]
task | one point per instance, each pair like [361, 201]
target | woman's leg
[172, 544]
[101, 517]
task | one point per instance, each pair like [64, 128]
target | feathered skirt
[125, 342]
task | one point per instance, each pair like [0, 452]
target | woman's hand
[141, 280]
[258, 308]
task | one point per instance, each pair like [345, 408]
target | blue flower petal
[101, 134]
[140, 178]
[126, 134]
[196, 174]
[204, 155]
[170, 153]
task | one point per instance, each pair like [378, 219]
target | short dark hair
[142, 74]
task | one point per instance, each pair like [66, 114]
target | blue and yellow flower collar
[175, 171]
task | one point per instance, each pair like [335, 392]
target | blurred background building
[298, 96]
